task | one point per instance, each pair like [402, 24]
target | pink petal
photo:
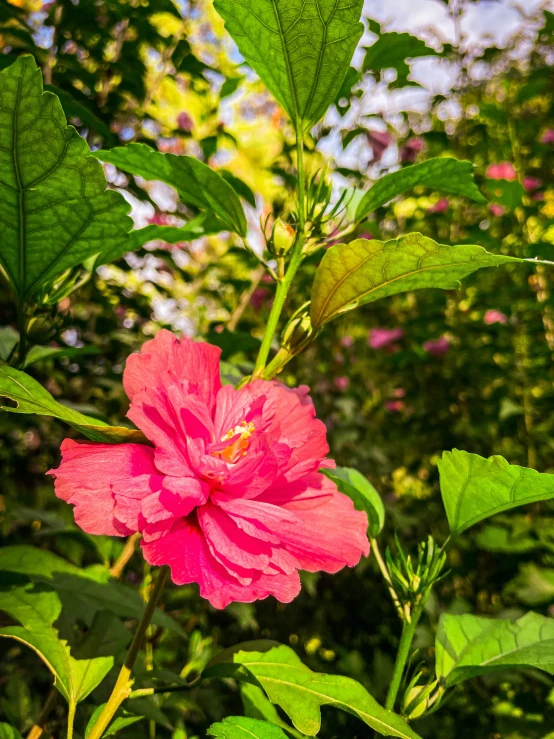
[186, 552]
[87, 475]
[333, 534]
[165, 360]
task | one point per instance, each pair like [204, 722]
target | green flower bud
[282, 238]
[298, 332]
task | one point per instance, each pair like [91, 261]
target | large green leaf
[82, 591]
[38, 610]
[302, 51]
[55, 211]
[31, 397]
[364, 271]
[468, 646]
[352, 483]
[196, 184]
[301, 692]
[474, 488]
[443, 173]
[9, 732]
[240, 727]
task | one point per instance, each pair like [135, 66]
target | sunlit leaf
[83, 591]
[240, 727]
[302, 51]
[196, 184]
[363, 271]
[391, 50]
[55, 211]
[363, 494]
[474, 488]
[31, 397]
[469, 646]
[445, 174]
[257, 705]
[301, 693]
[9, 732]
[38, 609]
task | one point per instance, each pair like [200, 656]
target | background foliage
[397, 382]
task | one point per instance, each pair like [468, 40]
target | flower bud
[418, 699]
[282, 238]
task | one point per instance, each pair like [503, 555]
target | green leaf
[301, 51]
[474, 488]
[239, 727]
[533, 585]
[443, 173]
[9, 732]
[55, 211]
[194, 229]
[468, 646]
[31, 397]
[38, 353]
[38, 609]
[364, 271]
[83, 591]
[75, 109]
[362, 493]
[257, 705]
[196, 184]
[391, 50]
[120, 722]
[9, 337]
[301, 692]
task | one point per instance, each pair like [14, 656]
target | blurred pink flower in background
[497, 210]
[531, 183]
[380, 338]
[259, 297]
[185, 122]
[548, 136]
[346, 342]
[501, 171]
[437, 347]
[440, 206]
[411, 149]
[394, 406]
[366, 235]
[399, 392]
[342, 383]
[379, 142]
[495, 316]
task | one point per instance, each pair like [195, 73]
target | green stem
[408, 633]
[374, 546]
[283, 286]
[124, 683]
[71, 719]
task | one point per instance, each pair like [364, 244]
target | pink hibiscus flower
[501, 171]
[229, 495]
[437, 347]
[380, 338]
[495, 316]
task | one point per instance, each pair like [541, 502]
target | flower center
[239, 447]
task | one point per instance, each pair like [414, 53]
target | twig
[128, 551]
[245, 299]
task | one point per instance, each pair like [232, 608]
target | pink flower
[501, 171]
[342, 383]
[379, 142]
[367, 235]
[380, 338]
[440, 206]
[496, 209]
[411, 149]
[347, 342]
[548, 136]
[185, 122]
[495, 316]
[437, 347]
[229, 493]
[259, 298]
[531, 183]
[394, 406]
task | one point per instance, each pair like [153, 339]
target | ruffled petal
[333, 534]
[165, 360]
[88, 474]
[186, 552]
